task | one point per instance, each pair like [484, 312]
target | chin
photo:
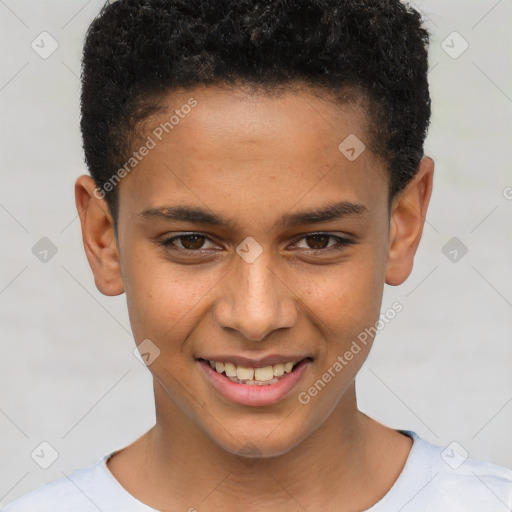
[252, 443]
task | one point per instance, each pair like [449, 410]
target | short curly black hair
[137, 51]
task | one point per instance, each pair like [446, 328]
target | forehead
[246, 116]
[217, 146]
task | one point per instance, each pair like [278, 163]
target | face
[277, 253]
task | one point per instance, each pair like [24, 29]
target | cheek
[165, 299]
[344, 304]
[347, 297]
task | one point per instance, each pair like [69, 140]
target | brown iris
[192, 242]
[322, 238]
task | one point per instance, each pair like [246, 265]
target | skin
[253, 158]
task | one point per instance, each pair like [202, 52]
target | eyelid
[168, 242]
[315, 233]
[341, 241]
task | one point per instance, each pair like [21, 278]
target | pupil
[195, 245]
[317, 237]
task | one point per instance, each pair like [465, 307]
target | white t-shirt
[434, 479]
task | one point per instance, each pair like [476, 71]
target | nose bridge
[256, 301]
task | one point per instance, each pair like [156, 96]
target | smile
[249, 386]
[252, 376]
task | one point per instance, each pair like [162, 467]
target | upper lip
[260, 362]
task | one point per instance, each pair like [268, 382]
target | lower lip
[254, 395]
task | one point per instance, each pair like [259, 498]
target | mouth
[254, 376]
[254, 384]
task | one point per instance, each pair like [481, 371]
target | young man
[257, 177]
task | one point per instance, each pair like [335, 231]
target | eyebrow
[197, 215]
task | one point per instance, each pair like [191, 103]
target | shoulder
[481, 485]
[74, 492]
[88, 489]
[446, 477]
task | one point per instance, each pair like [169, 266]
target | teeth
[230, 369]
[244, 373]
[278, 370]
[265, 375]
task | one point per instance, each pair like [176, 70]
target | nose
[255, 300]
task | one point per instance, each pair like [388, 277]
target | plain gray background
[68, 376]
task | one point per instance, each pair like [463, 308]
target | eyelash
[340, 242]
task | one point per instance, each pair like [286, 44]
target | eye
[316, 242]
[319, 242]
[189, 242]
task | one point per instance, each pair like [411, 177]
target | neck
[181, 468]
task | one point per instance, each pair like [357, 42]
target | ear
[98, 236]
[408, 214]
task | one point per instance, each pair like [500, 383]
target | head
[287, 137]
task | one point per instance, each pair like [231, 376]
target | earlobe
[408, 215]
[98, 237]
